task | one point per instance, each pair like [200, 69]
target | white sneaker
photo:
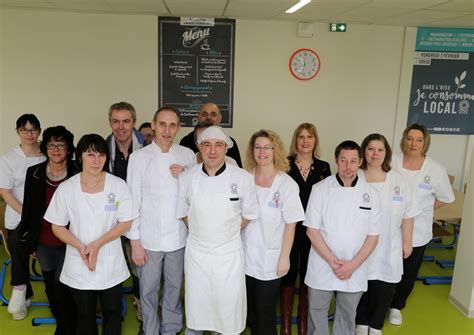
[395, 317]
[17, 301]
[373, 331]
[21, 314]
[362, 329]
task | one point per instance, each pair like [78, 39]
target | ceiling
[441, 13]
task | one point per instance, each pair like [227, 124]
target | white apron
[215, 295]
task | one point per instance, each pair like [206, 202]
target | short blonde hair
[310, 128]
[423, 130]
[280, 159]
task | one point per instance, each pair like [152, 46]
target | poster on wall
[442, 86]
[196, 65]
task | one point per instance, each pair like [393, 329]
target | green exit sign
[338, 27]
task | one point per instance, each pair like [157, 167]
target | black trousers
[375, 303]
[262, 296]
[298, 257]
[61, 303]
[111, 305]
[411, 266]
[20, 262]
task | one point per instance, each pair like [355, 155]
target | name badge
[424, 186]
[110, 208]
[397, 198]
[273, 204]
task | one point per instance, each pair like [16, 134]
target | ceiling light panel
[257, 8]
[320, 11]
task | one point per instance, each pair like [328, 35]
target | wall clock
[304, 64]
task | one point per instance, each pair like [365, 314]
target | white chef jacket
[396, 204]
[240, 188]
[90, 216]
[345, 217]
[429, 183]
[13, 166]
[155, 193]
[214, 258]
[279, 204]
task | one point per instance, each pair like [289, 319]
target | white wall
[69, 67]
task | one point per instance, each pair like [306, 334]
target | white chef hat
[215, 133]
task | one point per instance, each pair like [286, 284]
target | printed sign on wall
[442, 87]
[196, 65]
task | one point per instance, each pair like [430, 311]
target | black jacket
[33, 203]
[319, 171]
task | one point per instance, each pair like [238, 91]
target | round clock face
[304, 64]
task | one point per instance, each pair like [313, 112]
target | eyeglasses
[60, 146]
[265, 148]
[32, 131]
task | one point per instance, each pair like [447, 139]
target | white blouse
[90, 216]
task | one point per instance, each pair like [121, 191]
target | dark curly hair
[58, 133]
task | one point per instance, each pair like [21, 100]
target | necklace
[304, 170]
[55, 177]
[91, 185]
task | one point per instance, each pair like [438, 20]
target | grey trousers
[344, 318]
[171, 265]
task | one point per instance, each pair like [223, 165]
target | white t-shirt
[345, 217]
[429, 183]
[90, 216]
[155, 193]
[13, 166]
[279, 205]
[396, 204]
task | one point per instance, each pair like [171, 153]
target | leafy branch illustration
[459, 80]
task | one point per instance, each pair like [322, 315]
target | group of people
[239, 238]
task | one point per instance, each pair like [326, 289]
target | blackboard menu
[196, 65]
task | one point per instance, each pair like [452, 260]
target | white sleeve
[125, 210]
[248, 198]
[314, 210]
[57, 212]
[134, 185]
[444, 191]
[6, 174]
[183, 203]
[292, 208]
